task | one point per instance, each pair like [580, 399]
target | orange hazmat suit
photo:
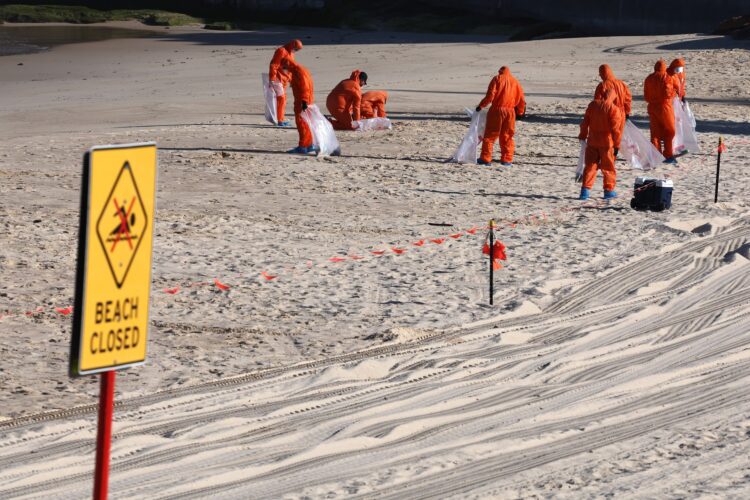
[373, 104]
[623, 97]
[280, 55]
[302, 89]
[344, 102]
[678, 75]
[600, 128]
[659, 90]
[506, 96]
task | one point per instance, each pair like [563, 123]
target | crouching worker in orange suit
[373, 104]
[506, 96]
[659, 90]
[283, 53]
[345, 100]
[676, 70]
[623, 97]
[601, 129]
[302, 89]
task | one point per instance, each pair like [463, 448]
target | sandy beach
[615, 360]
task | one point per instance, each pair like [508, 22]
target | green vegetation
[85, 15]
[383, 15]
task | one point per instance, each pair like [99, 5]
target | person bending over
[345, 100]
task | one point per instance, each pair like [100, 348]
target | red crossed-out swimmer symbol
[124, 228]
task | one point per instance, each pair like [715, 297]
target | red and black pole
[492, 259]
[104, 434]
[722, 148]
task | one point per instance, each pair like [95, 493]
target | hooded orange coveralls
[275, 75]
[302, 88]
[601, 129]
[679, 78]
[659, 90]
[344, 102]
[373, 104]
[506, 96]
[623, 97]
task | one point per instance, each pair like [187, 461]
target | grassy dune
[85, 15]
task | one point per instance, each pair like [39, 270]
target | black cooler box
[650, 193]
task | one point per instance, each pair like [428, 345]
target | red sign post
[104, 434]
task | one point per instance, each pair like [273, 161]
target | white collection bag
[270, 97]
[467, 150]
[322, 131]
[638, 150]
[685, 138]
[372, 124]
[690, 114]
[581, 162]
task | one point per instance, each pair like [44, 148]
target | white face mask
[679, 69]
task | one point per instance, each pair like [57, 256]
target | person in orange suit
[373, 104]
[676, 70]
[659, 90]
[276, 79]
[506, 96]
[600, 129]
[302, 89]
[345, 100]
[623, 97]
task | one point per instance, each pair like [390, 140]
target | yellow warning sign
[113, 280]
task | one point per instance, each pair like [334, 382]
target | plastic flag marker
[220, 285]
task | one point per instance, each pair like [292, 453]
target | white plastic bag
[322, 131]
[372, 124]
[270, 97]
[467, 150]
[678, 142]
[638, 150]
[685, 138]
[690, 114]
[581, 162]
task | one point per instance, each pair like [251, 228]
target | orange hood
[605, 72]
[660, 66]
[677, 63]
[293, 45]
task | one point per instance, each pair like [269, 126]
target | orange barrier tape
[422, 243]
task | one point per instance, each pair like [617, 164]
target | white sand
[616, 358]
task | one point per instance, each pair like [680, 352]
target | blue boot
[585, 194]
[506, 164]
[485, 163]
[299, 150]
[608, 195]
[671, 160]
[284, 124]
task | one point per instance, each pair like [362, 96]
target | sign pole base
[104, 434]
